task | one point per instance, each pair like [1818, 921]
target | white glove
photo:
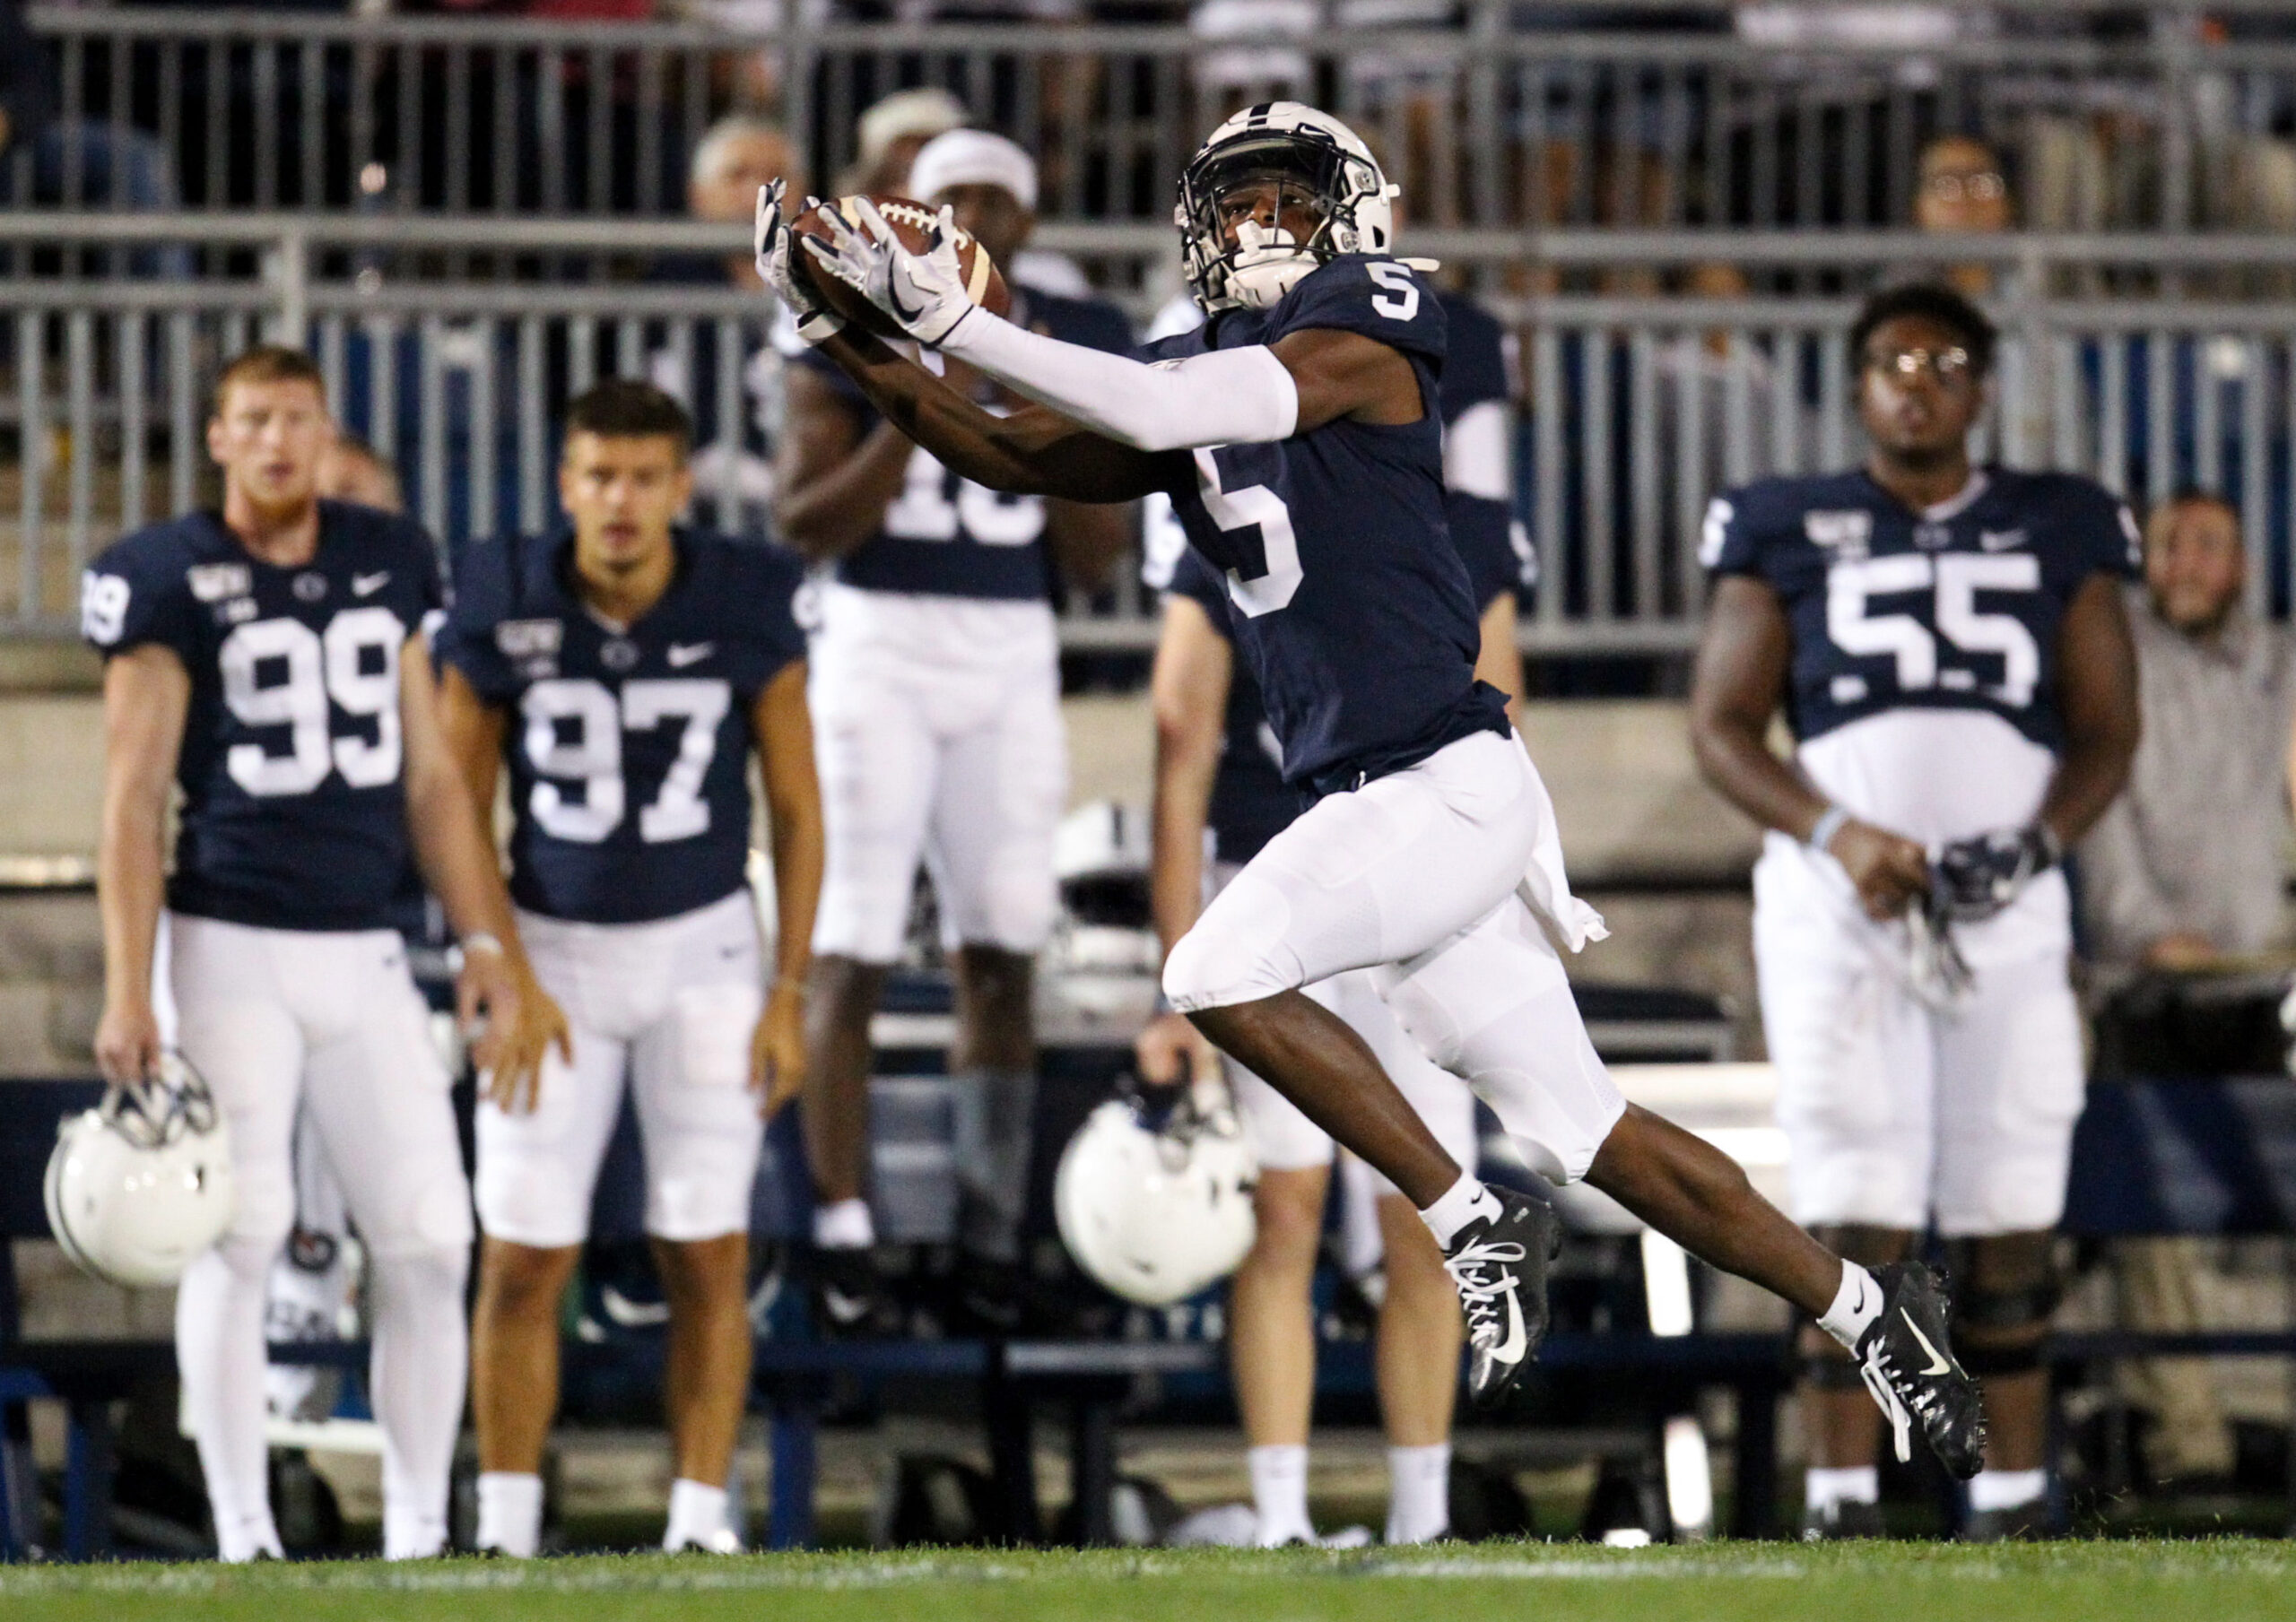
[816, 322]
[923, 293]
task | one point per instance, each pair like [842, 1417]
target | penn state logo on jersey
[293, 754]
[1956, 607]
[628, 746]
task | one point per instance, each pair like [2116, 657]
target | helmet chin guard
[1300, 145]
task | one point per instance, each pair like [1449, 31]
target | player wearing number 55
[268, 658]
[625, 668]
[1948, 643]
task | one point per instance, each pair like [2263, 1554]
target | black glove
[1974, 878]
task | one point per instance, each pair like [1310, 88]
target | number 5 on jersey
[574, 729]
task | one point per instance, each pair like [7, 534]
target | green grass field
[2217, 1581]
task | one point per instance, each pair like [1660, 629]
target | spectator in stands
[2187, 867]
[49, 161]
[733, 467]
[893, 131]
[2186, 871]
[1962, 192]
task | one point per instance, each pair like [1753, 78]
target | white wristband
[1828, 825]
[481, 941]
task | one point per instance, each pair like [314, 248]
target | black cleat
[1908, 1364]
[1841, 1519]
[1498, 1264]
[848, 1296]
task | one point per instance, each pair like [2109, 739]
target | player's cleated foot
[848, 1296]
[1843, 1519]
[725, 1541]
[1499, 1265]
[1908, 1364]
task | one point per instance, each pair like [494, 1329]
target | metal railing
[1500, 120]
[1637, 408]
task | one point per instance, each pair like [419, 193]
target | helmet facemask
[1344, 189]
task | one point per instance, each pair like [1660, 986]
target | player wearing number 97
[268, 659]
[626, 670]
[1298, 435]
[1948, 645]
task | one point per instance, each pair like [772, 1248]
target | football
[912, 221]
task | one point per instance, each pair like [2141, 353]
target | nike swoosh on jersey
[1510, 1350]
[1937, 1364]
[844, 1308]
[680, 657]
[2000, 539]
[367, 585]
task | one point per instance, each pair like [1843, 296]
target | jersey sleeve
[423, 553]
[135, 593]
[1194, 578]
[1730, 541]
[766, 598]
[1382, 298]
[833, 374]
[481, 601]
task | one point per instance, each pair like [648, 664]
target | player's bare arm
[833, 479]
[783, 730]
[2096, 695]
[1735, 694]
[458, 862]
[146, 693]
[1188, 693]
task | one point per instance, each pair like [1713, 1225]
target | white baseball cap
[973, 157]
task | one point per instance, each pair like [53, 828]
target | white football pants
[332, 1020]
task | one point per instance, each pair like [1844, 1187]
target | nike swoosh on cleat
[1937, 1364]
[1510, 1350]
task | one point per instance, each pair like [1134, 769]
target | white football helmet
[1296, 142]
[1157, 1211]
[142, 1183]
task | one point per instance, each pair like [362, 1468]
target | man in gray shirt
[2186, 871]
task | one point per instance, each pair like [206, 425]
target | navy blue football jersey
[1476, 374]
[1250, 803]
[947, 536]
[294, 815]
[1350, 604]
[1957, 609]
[629, 748]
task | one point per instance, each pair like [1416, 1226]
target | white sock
[218, 1349]
[1821, 1490]
[509, 1513]
[1279, 1495]
[1854, 1306]
[696, 1513]
[844, 1225]
[1460, 1204]
[416, 1372]
[2006, 1489]
[1419, 1493]
[411, 1534]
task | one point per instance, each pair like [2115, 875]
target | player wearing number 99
[268, 658]
[627, 669]
[1299, 435]
[1948, 643]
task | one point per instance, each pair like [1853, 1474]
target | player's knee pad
[1236, 952]
[2006, 1290]
[434, 1218]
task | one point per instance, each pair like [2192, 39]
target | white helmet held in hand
[142, 1183]
[1156, 1211]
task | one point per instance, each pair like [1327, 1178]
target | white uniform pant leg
[233, 1023]
[538, 1168]
[1856, 1065]
[878, 761]
[1003, 781]
[2010, 1086]
[1384, 872]
[690, 1072]
[379, 1094]
[1493, 1005]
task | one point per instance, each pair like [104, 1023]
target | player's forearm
[1032, 452]
[831, 513]
[456, 861]
[1182, 801]
[131, 884]
[799, 855]
[2089, 779]
[1736, 759]
[1239, 396]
